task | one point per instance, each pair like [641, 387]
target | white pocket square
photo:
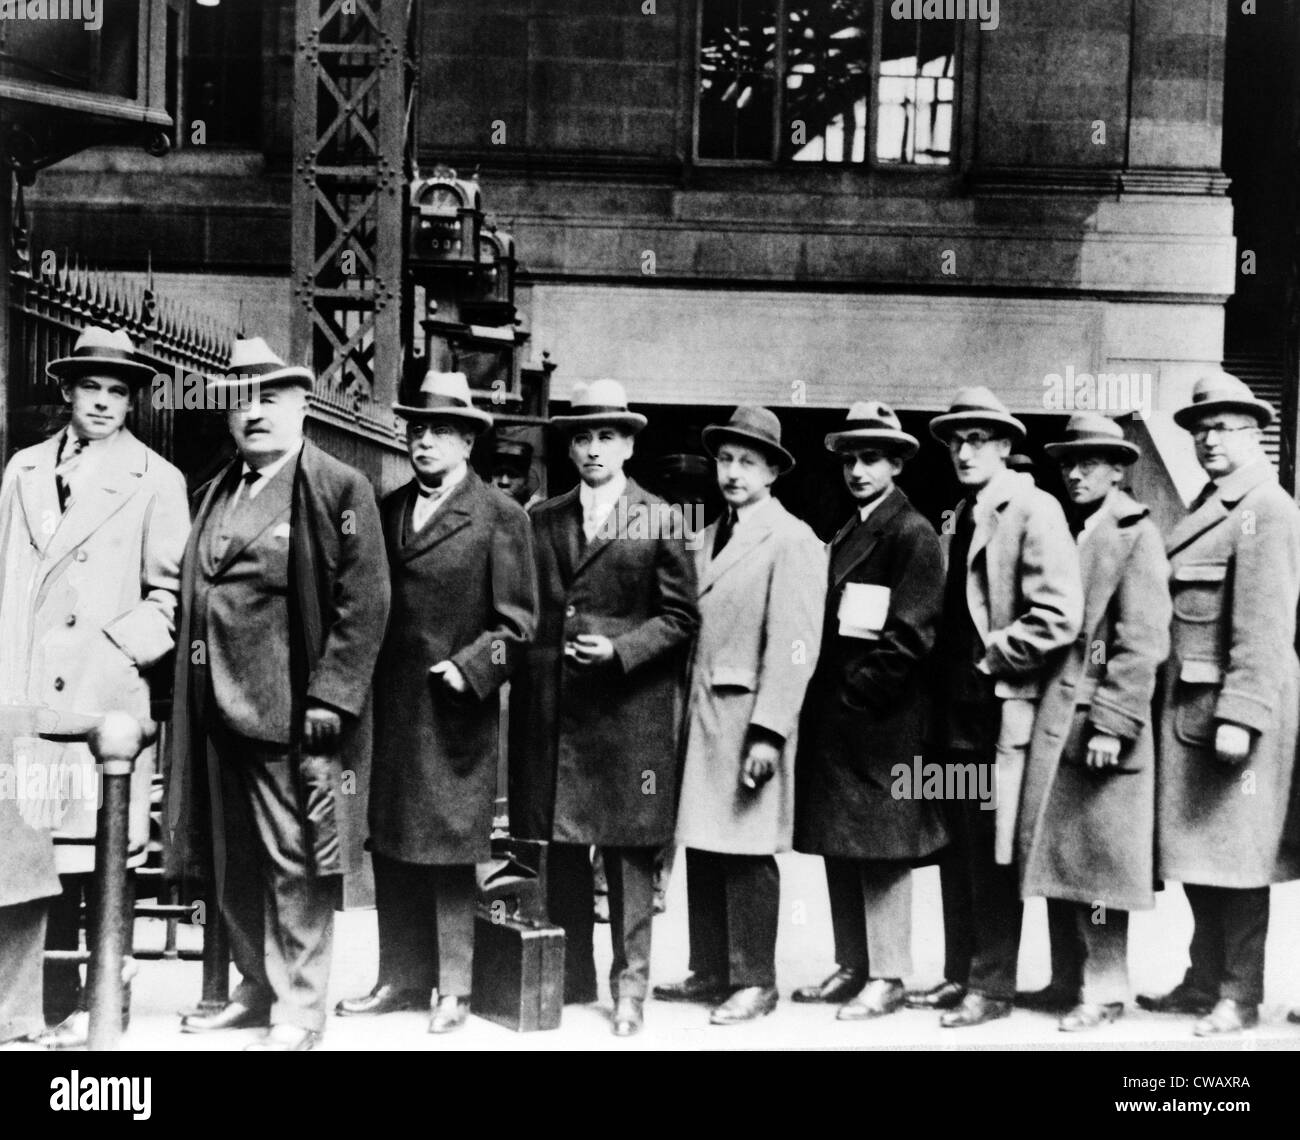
[281, 531]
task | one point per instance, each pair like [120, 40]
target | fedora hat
[973, 406]
[447, 396]
[873, 424]
[600, 402]
[1222, 392]
[101, 350]
[1091, 433]
[252, 361]
[754, 427]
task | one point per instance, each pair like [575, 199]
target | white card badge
[863, 610]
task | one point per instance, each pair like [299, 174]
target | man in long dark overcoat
[464, 606]
[1231, 699]
[595, 712]
[1087, 825]
[867, 713]
[284, 596]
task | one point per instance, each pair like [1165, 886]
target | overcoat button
[72, 619]
[569, 611]
[82, 556]
[58, 684]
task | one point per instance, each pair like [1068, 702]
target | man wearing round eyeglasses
[1231, 694]
[1012, 602]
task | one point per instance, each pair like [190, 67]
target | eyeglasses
[416, 430]
[974, 439]
[1201, 434]
[1087, 466]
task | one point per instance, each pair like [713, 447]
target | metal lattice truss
[352, 106]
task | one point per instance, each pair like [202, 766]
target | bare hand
[759, 764]
[1103, 751]
[1232, 743]
[321, 730]
[592, 649]
[451, 676]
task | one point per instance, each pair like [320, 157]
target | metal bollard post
[115, 743]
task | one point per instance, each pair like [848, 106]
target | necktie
[69, 461]
[1204, 497]
[726, 528]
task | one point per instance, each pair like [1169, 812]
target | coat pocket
[1198, 589]
[733, 677]
[1196, 697]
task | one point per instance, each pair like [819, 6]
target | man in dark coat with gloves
[464, 606]
[594, 713]
[866, 714]
[1087, 824]
[284, 596]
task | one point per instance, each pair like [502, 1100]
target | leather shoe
[450, 1013]
[1181, 999]
[1227, 1017]
[382, 999]
[235, 1015]
[1089, 1015]
[946, 995]
[839, 987]
[696, 987]
[747, 1004]
[628, 1017]
[881, 996]
[1052, 998]
[975, 1009]
[285, 1039]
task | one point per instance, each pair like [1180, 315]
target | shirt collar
[450, 481]
[1090, 523]
[864, 512]
[604, 495]
[271, 470]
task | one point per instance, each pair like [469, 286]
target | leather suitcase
[518, 971]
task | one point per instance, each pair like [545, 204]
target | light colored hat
[600, 402]
[445, 395]
[753, 426]
[101, 350]
[1091, 433]
[872, 424]
[973, 406]
[251, 360]
[1222, 392]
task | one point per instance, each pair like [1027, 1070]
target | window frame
[963, 67]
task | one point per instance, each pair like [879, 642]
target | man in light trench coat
[1087, 822]
[762, 579]
[1231, 688]
[92, 526]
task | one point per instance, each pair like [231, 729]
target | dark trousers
[279, 916]
[630, 872]
[1089, 948]
[426, 926]
[1230, 927]
[733, 905]
[64, 993]
[22, 945]
[981, 899]
[871, 916]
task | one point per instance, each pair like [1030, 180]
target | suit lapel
[863, 539]
[115, 478]
[451, 516]
[747, 535]
[565, 534]
[39, 495]
[274, 502]
[1214, 510]
[609, 529]
[1101, 560]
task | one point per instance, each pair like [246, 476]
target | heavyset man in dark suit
[1226, 815]
[867, 712]
[464, 606]
[762, 575]
[284, 595]
[1012, 602]
[594, 714]
[1087, 825]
